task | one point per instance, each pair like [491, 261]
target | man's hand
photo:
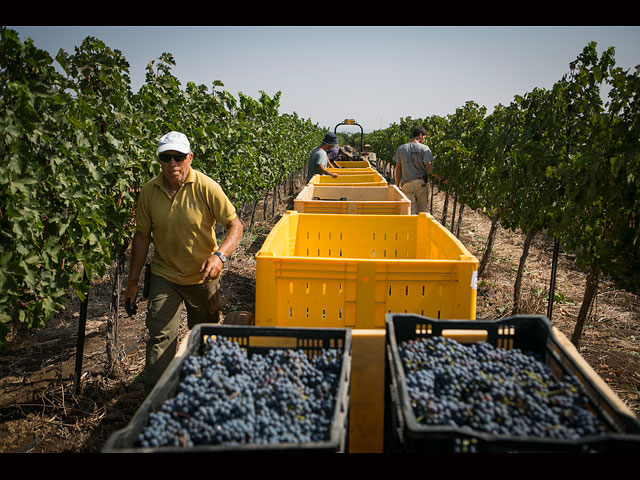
[130, 297]
[211, 268]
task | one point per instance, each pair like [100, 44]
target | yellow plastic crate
[349, 200]
[352, 171]
[370, 179]
[317, 270]
[353, 163]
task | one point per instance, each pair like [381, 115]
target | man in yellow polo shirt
[177, 210]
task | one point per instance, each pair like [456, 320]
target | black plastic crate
[403, 433]
[254, 340]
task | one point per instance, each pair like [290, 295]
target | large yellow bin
[353, 163]
[338, 199]
[352, 171]
[317, 270]
[371, 179]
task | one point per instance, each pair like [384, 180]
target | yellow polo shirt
[182, 228]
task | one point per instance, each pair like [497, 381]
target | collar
[191, 177]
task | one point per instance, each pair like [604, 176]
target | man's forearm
[324, 171]
[232, 237]
[212, 266]
[139, 250]
[430, 168]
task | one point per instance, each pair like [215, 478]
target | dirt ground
[41, 413]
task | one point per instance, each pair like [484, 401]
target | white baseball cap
[174, 141]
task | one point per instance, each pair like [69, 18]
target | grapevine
[563, 161]
[77, 145]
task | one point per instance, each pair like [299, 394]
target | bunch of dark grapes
[226, 397]
[504, 392]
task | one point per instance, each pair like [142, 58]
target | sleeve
[143, 216]
[428, 156]
[221, 207]
[324, 159]
[319, 157]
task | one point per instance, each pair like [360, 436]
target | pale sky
[375, 75]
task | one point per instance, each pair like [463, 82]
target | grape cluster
[226, 397]
[493, 390]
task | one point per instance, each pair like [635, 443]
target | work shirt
[412, 157]
[182, 227]
[318, 157]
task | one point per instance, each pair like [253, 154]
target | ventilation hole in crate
[340, 235]
[323, 313]
[339, 313]
[438, 314]
[406, 290]
[423, 290]
[307, 252]
[340, 252]
[318, 252]
[290, 312]
[396, 253]
[340, 288]
[396, 236]
[374, 235]
[389, 290]
[385, 253]
[385, 236]
[423, 329]
[307, 288]
[329, 252]
[373, 254]
[307, 312]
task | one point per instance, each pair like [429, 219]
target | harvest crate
[317, 270]
[532, 334]
[253, 340]
[370, 179]
[352, 171]
[389, 200]
[353, 163]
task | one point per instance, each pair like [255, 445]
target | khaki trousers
[163, 319]
[418, 192]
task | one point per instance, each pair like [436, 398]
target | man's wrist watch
[221, 255]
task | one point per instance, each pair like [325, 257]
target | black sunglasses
[178, 157]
